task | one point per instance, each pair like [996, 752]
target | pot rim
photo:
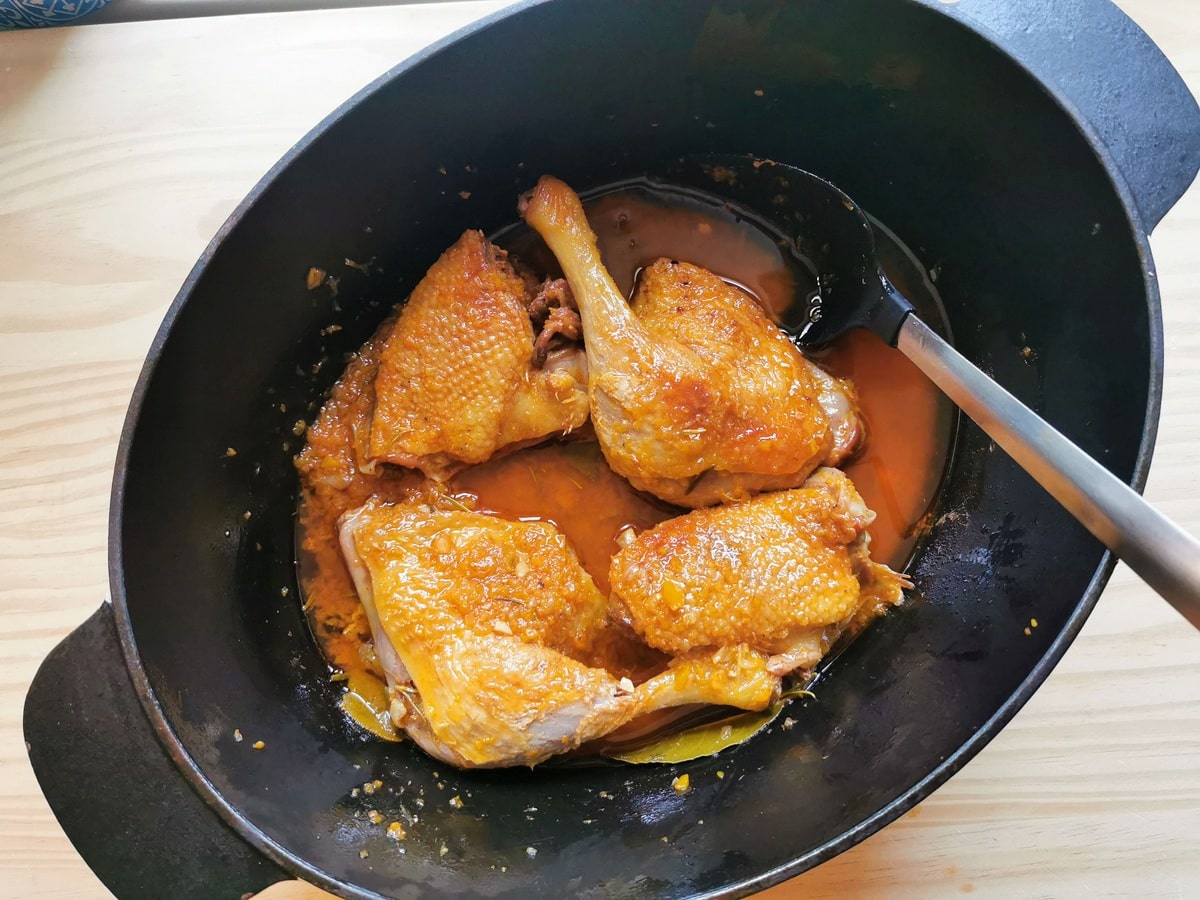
[953, 763]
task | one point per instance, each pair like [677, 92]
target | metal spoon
[853, 292]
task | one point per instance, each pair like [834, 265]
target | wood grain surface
[122, 149]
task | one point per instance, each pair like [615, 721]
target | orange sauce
[572, 486]
[897, 472]
[900, 466]
[331, 484]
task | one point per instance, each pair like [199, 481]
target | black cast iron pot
[1024, 148]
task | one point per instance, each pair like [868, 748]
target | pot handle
[125, 806]
[1093, 56]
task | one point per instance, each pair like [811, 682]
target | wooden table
[123, 148]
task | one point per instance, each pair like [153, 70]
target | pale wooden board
[124, 147]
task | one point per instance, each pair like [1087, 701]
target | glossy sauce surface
[897, 471]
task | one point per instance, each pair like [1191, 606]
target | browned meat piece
[487, 631]
[553, 293]
[560, 323]
[773, 573]
[696, 396]
[457, 381]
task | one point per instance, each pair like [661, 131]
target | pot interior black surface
[931, 129]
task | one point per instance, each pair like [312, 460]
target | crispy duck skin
[773, 573]
[459, 379]
[696, 396]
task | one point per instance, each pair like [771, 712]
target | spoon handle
[1164, 555]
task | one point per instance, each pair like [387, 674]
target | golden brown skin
[775, 425]
[456, 381]
[486, 629]
[496, 644]
[772, 573]
[736, 675]
[696, 396]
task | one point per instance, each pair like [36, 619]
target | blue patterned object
[37, 13]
